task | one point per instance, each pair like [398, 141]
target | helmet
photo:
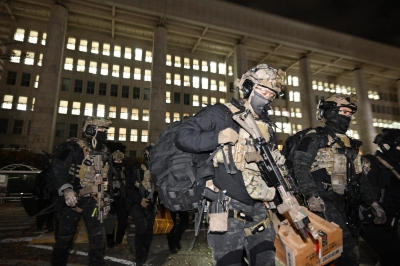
[147, 150]
[390, 138]
[92, 122]
[118, 155]
[335, 102]
[261, 75]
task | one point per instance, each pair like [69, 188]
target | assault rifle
[272, 175]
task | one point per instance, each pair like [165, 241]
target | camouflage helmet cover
[118, 155]
[389, 138]
[95, 122]
[336, 101]
[264, 76]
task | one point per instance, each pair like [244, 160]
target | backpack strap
[387, 165]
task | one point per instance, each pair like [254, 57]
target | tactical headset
[323, 105]
[247, 86]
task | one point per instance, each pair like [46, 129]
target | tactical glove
[316, 204]
[380, 215]
[70, 197]
[228, 135]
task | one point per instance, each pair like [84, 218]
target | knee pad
[230, 258]
[259, 248]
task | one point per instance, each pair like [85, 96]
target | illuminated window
[168, 97]
[149, 57]
[222, 100]
[68, 65]
[213, 85]
[138, 54]
[147, 75]
[204, 66]
[145, 116]
[104, 69]
[177, 116]
[177, 61]
[168, 78]
[213, 67]
[117, 51]
[196, 64]
[230, 71]
[124, 113]
[33, 36]
[83, 45]
[122, 134]
[167, 117]
[204, 83]
[314, 84]
[93, 67]
[115, 71]
[7, 102]
[128, 53]
[222, 68]
[186, 81]
[101, 110]
[145, 135]
[29, 59]
[63, 107]
[177, 80]
[204, 101]
[196, 82]
[168, 60]
[106, 49]
[135, 114]
[195, 100]
[76, 108]
[71, 43]
[222, 86]
[19, 35]
[112, 112]
[137, 74]
[33, 104]
[39, 63]
[111, 133]
[213, 100]
[134, 135]
[36, 82]
[298, 113]
[127, 72]
[80, 67]
[296, 96]
[95, 48]
[285, 112]
[88, 109]
[186, 63]
[15, 56]
[44, 36]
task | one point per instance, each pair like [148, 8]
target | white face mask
[258, 102]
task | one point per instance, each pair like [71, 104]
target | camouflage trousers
[334, 212]
[67, 222]
[228, 248]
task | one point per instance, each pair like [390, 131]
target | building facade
[146, 64]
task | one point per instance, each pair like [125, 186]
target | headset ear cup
[247, 88]
[90, 131]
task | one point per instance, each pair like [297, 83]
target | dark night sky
[376, 20]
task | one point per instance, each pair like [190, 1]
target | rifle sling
[388, 166]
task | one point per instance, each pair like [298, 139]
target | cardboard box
[292, 250]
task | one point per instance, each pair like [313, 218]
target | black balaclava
[117, 165]
[393, 154]
[336, 122]
[258, 102]
[98, 140]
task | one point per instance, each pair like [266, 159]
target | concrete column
[307, 94]
[398, 91]
[364, 114]
[240, 64]
[42, 128]
[158, 105]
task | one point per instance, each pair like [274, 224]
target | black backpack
[50, 187]
[180, 176]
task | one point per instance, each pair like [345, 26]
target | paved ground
[20, 244]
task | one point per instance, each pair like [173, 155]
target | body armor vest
[255, 185]
[145, 186]
[331, 159]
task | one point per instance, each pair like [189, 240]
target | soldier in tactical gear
[385, 180]
[82, 172]
[140, 191]
[243, 225]
[118, 206]
[320, 167]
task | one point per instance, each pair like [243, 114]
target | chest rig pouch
[334, 160]
[94, 171]
[255, 185]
